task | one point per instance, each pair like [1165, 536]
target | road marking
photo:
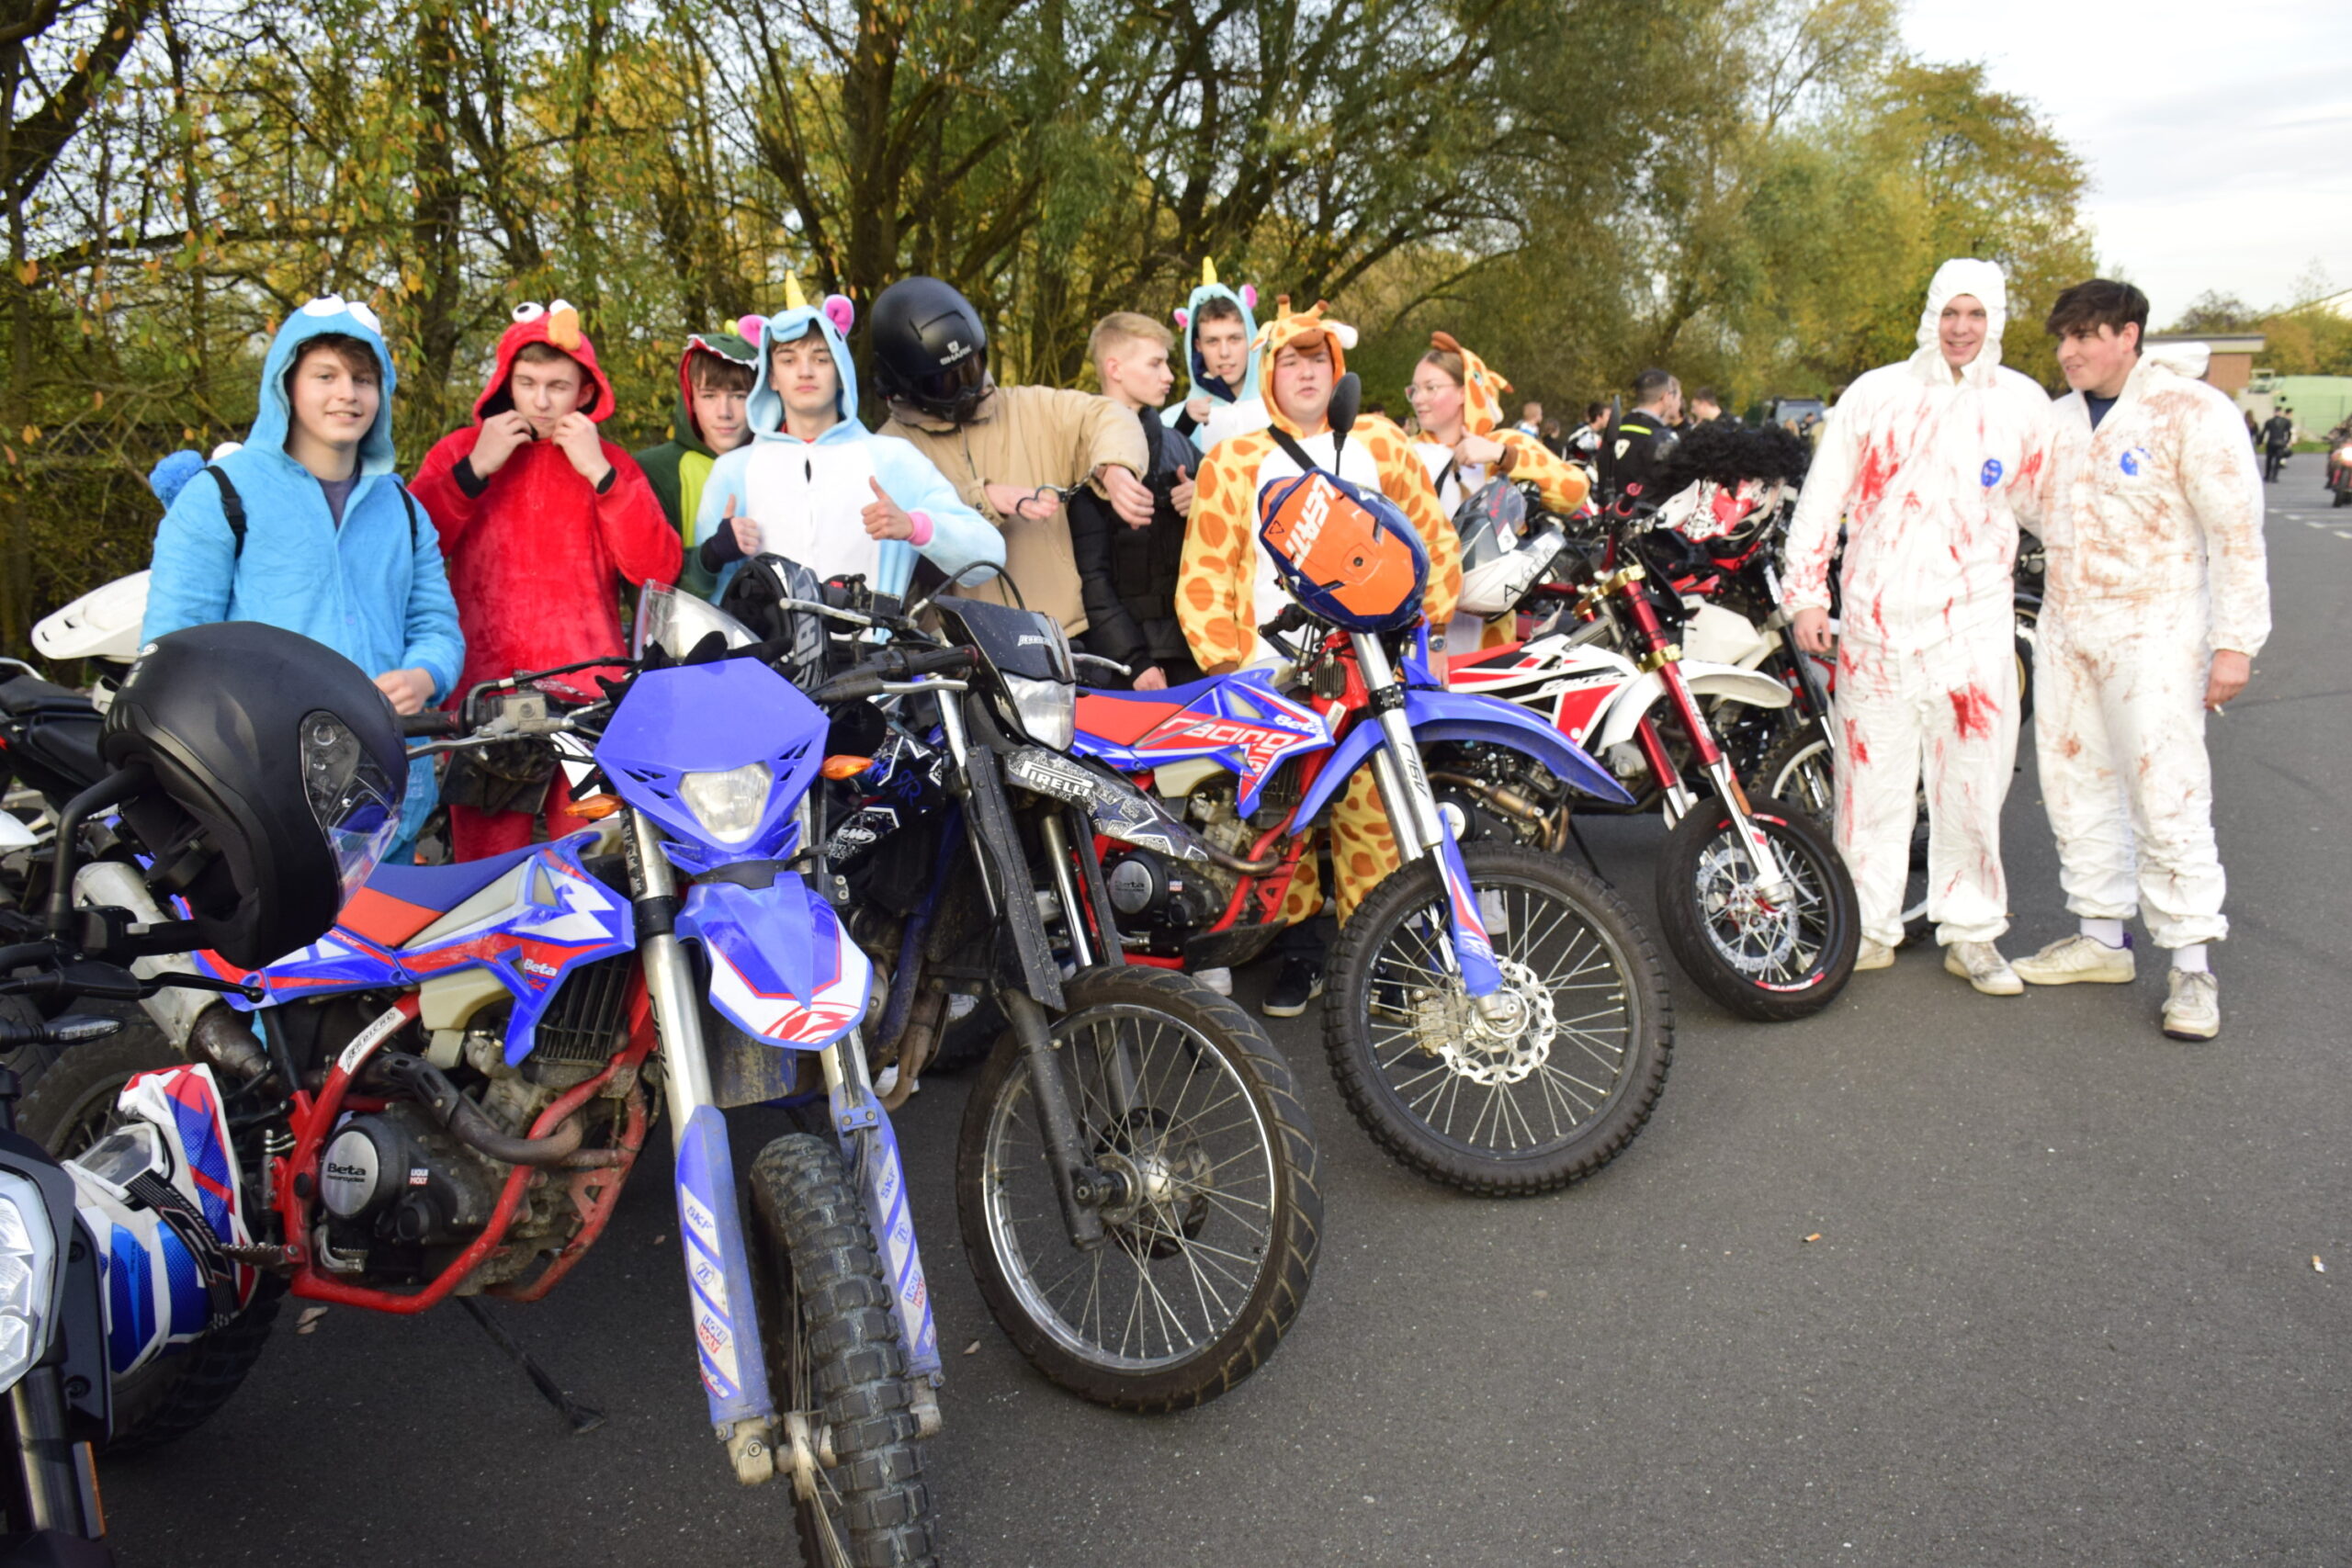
[2341, 534]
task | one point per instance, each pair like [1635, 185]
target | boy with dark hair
[543, 522]
[1129, 573]
[714, 377]
[2156, 603]
[243, 542]
[1221, 397]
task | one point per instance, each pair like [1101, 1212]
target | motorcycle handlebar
[893, 665]
[431, 722]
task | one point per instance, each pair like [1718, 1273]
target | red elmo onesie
[537, 556]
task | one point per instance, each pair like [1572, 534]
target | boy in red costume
[543, 522]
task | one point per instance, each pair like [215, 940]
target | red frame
[314, 1117]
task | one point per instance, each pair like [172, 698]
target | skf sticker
[1992, 474]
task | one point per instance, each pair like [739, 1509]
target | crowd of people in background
[1129, 516]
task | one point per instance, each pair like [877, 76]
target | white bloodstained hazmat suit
[2152, 522]
[1925, 463]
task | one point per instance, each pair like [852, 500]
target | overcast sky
[2218, 135]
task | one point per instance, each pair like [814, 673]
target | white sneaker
[2075, 959]
[1873, 956]
[1218, 980]
[1981, 964]
[2193, 1009]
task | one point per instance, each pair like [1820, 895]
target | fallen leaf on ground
[309, 1319]
[973, 1348]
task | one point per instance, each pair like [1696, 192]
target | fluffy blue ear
[168, 478]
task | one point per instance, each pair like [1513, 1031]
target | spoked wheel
[847, 1446]
[1547, 1092]
[1768, 959]
[1211, 1243]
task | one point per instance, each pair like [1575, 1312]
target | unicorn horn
[793, 299]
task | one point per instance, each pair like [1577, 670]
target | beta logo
[1991, 472]
[2137, 460]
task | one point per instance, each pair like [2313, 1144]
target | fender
[1627, 709]
[1459, 716]
[781, 967]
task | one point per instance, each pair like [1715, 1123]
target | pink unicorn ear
[748, 328]
[1184, 317]
[840, 311]
[1249, 295]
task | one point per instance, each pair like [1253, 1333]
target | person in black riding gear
[1638, 443]
[2278, 440]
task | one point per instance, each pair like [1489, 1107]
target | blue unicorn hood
[1198, 381]
[274, 414]
[831, 319]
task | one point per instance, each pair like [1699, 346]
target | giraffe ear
[840, 311]
[1183, 318]
[1249, 295]
[1344, 333]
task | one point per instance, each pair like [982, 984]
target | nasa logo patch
[2135, 460]
[1992, 474]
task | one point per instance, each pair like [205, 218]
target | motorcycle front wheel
[1499, 1112]
[1767, 961]
[1208, 1253]
[848, 1443]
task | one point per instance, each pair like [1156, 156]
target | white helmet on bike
[1500, 561]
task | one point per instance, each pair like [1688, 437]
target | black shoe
[1300, 983]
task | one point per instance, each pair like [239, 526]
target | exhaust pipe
[199, 1025]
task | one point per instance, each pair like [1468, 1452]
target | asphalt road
[2063, 1307]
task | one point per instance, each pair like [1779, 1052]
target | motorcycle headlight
[728, 804]
[1047, 711]
[27, 1276]
[2344, 456]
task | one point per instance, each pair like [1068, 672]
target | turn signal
[595, 807]
[846, 767]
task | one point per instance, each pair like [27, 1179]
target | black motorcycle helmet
[279, 774]
[931, 354]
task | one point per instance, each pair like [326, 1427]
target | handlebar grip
[431, 722]
[1292, 618]
[849, 688]
[940, 660]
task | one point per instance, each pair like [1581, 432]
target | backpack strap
[408, 503]
[232, 508]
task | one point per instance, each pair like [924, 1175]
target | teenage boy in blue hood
[1221, 396]
[306, 526]
[815, 486]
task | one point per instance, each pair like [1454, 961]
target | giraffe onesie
[1228, 587]
[1562, 485]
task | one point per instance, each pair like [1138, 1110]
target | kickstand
[1585, 850]
[583, 1418]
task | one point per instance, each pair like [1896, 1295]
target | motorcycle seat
[398, 901]
[71, 751]
[23, 696]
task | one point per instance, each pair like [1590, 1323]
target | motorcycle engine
[393, 1178]
[1159, 901]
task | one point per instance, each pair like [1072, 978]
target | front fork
[1421, 828]
[1662, 655]
[710, 1217]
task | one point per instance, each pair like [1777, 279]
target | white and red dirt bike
[1757, 904]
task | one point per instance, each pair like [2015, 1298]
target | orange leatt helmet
[1348, 555]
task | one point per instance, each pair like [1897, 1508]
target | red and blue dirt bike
[1495, 1016]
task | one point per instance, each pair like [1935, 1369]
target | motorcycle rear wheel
[1766, 964]
[1202, 1271]
[834, 1358]
[1582, 1076]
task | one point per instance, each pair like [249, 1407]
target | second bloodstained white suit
[2153, 524]
[1927, 469]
